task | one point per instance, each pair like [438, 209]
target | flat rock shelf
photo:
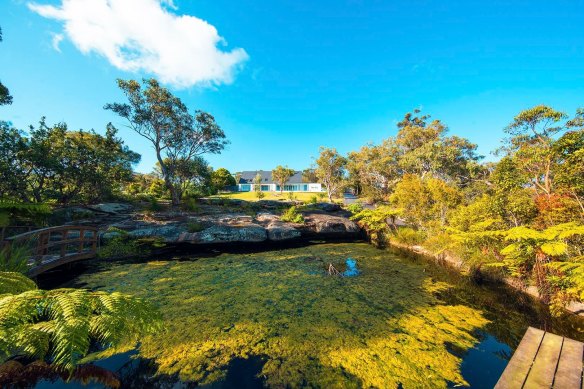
[544, 360]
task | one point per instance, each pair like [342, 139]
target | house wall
[304, 187]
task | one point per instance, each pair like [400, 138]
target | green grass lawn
[251, 196]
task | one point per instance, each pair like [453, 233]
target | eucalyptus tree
[281, 175]
[330, 170]
[163, 119]
[531, 144]
[427, 150]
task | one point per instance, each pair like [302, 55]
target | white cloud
[143, 36]
[57, 39]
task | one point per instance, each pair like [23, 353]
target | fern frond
[13, 283]
[61, 325]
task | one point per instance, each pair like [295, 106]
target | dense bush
[407, 235]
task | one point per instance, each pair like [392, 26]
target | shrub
[291, 196]
[195, 227]
[292, 215]
[121, 245]
[409, 236]
[153, 205]
[313, 199]
[190, 204]
[260, 195]
[321, 196]
[355, 208]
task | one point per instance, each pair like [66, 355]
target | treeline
[523, 215]
[54, 164]
[51, 164]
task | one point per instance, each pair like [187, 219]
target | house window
[265, 188]
[245, 188]
[305, 188]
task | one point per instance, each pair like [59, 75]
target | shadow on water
[135, 372]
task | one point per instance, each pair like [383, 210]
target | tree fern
[549, 255]
[66, 327]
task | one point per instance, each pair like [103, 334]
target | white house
[294, 184]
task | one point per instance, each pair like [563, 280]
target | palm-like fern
[67, 327]
[547, 253]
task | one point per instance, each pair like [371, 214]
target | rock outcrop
[218, 225]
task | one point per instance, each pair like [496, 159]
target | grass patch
[251, 196]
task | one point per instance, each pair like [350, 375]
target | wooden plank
[569, 372]
[514, 375]
[544, 367]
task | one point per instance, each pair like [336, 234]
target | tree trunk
[175, 194]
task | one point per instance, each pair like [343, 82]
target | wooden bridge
[55, 246]
[544, 360]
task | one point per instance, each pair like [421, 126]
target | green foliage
[190, 204]
[387, 328]
[16, 212]
[321, 196]
[14, 258]
[121, 245]
[292, 215]
[546, 255]
[259, 194]
[68, 327]
[330, 170]
[291, 196]
[153, 205]
[355, 207]
[376, 222]
[313, 199]
[178, 137]
[222, 178]
[408, 236]
[423, 201]
[281, 175]
[14, 283]
[195, 227]
[56, 164]
[5, 97]
[500, 214]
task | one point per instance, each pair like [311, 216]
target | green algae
[388, 326]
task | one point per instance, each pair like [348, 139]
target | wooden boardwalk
[544, 360]
[55, 246]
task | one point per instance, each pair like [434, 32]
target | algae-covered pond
[277, 319]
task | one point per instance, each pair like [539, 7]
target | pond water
[276, 318]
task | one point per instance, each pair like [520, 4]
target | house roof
[247, 177]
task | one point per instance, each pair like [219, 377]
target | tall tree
[281, 175]
[309, 176]
[376, 168]
[426, 149]
[162, 118]
[190, 176]
[531, 144]
[330, 170]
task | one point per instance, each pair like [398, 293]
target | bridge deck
[544, 360]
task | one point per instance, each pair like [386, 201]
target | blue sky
[291, 76]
